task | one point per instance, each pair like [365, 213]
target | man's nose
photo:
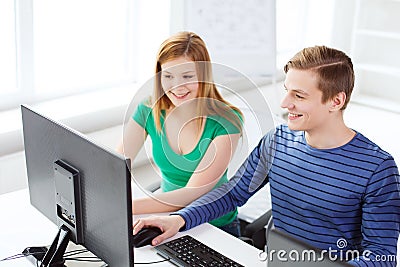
[285, 101]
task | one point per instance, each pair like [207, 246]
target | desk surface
[21, 225]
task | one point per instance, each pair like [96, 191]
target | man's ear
[338, 101]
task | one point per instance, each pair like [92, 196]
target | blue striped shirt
[320, 196]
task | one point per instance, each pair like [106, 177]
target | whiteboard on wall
[239, 34]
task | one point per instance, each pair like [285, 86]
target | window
[8, 73]
[80, 44]
[302, 23]
[54, 48]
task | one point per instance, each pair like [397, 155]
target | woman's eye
[167, 76]
[188, 76]
[299, 96]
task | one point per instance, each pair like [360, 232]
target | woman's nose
[177, 83]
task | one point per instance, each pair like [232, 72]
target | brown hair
[191, 46]
[334, 70]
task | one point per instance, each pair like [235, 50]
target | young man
[328, 182]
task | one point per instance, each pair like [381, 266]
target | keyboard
[187, 251]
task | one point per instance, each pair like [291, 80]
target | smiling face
[179, 80]
[303, 101]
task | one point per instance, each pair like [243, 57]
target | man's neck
[331, 136]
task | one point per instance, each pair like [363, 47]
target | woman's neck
[183, 113]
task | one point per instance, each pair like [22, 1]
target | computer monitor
[284, 250]
[82, 187]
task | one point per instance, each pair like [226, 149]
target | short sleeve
[227, 126]
[141, 114]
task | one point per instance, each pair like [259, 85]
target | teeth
[293, 115]
[181, 95]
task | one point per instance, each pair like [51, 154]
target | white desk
[21, 225]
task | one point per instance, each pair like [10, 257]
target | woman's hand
[169, 225]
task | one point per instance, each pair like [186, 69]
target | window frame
[25, 70]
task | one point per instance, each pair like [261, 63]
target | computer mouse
[145, 236]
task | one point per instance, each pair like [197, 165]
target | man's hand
[169, 225]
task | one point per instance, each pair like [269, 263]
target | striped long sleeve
[345, 199]
[250, 177]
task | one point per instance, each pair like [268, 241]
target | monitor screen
[80, 186]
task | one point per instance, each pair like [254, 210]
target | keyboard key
[188, 251]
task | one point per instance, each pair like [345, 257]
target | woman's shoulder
[146, 103]
[144, 106]
[228, 115]
[230, 122]
[143, 110]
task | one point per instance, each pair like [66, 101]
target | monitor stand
[35, 254]
[69, 217]
[54, 255]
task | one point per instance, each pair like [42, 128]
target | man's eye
[299, 96]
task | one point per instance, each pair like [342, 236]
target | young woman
[194, 131]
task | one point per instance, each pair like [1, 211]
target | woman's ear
[338, 101]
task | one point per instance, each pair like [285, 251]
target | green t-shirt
[177, 169]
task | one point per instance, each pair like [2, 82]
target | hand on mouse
[169, 225]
